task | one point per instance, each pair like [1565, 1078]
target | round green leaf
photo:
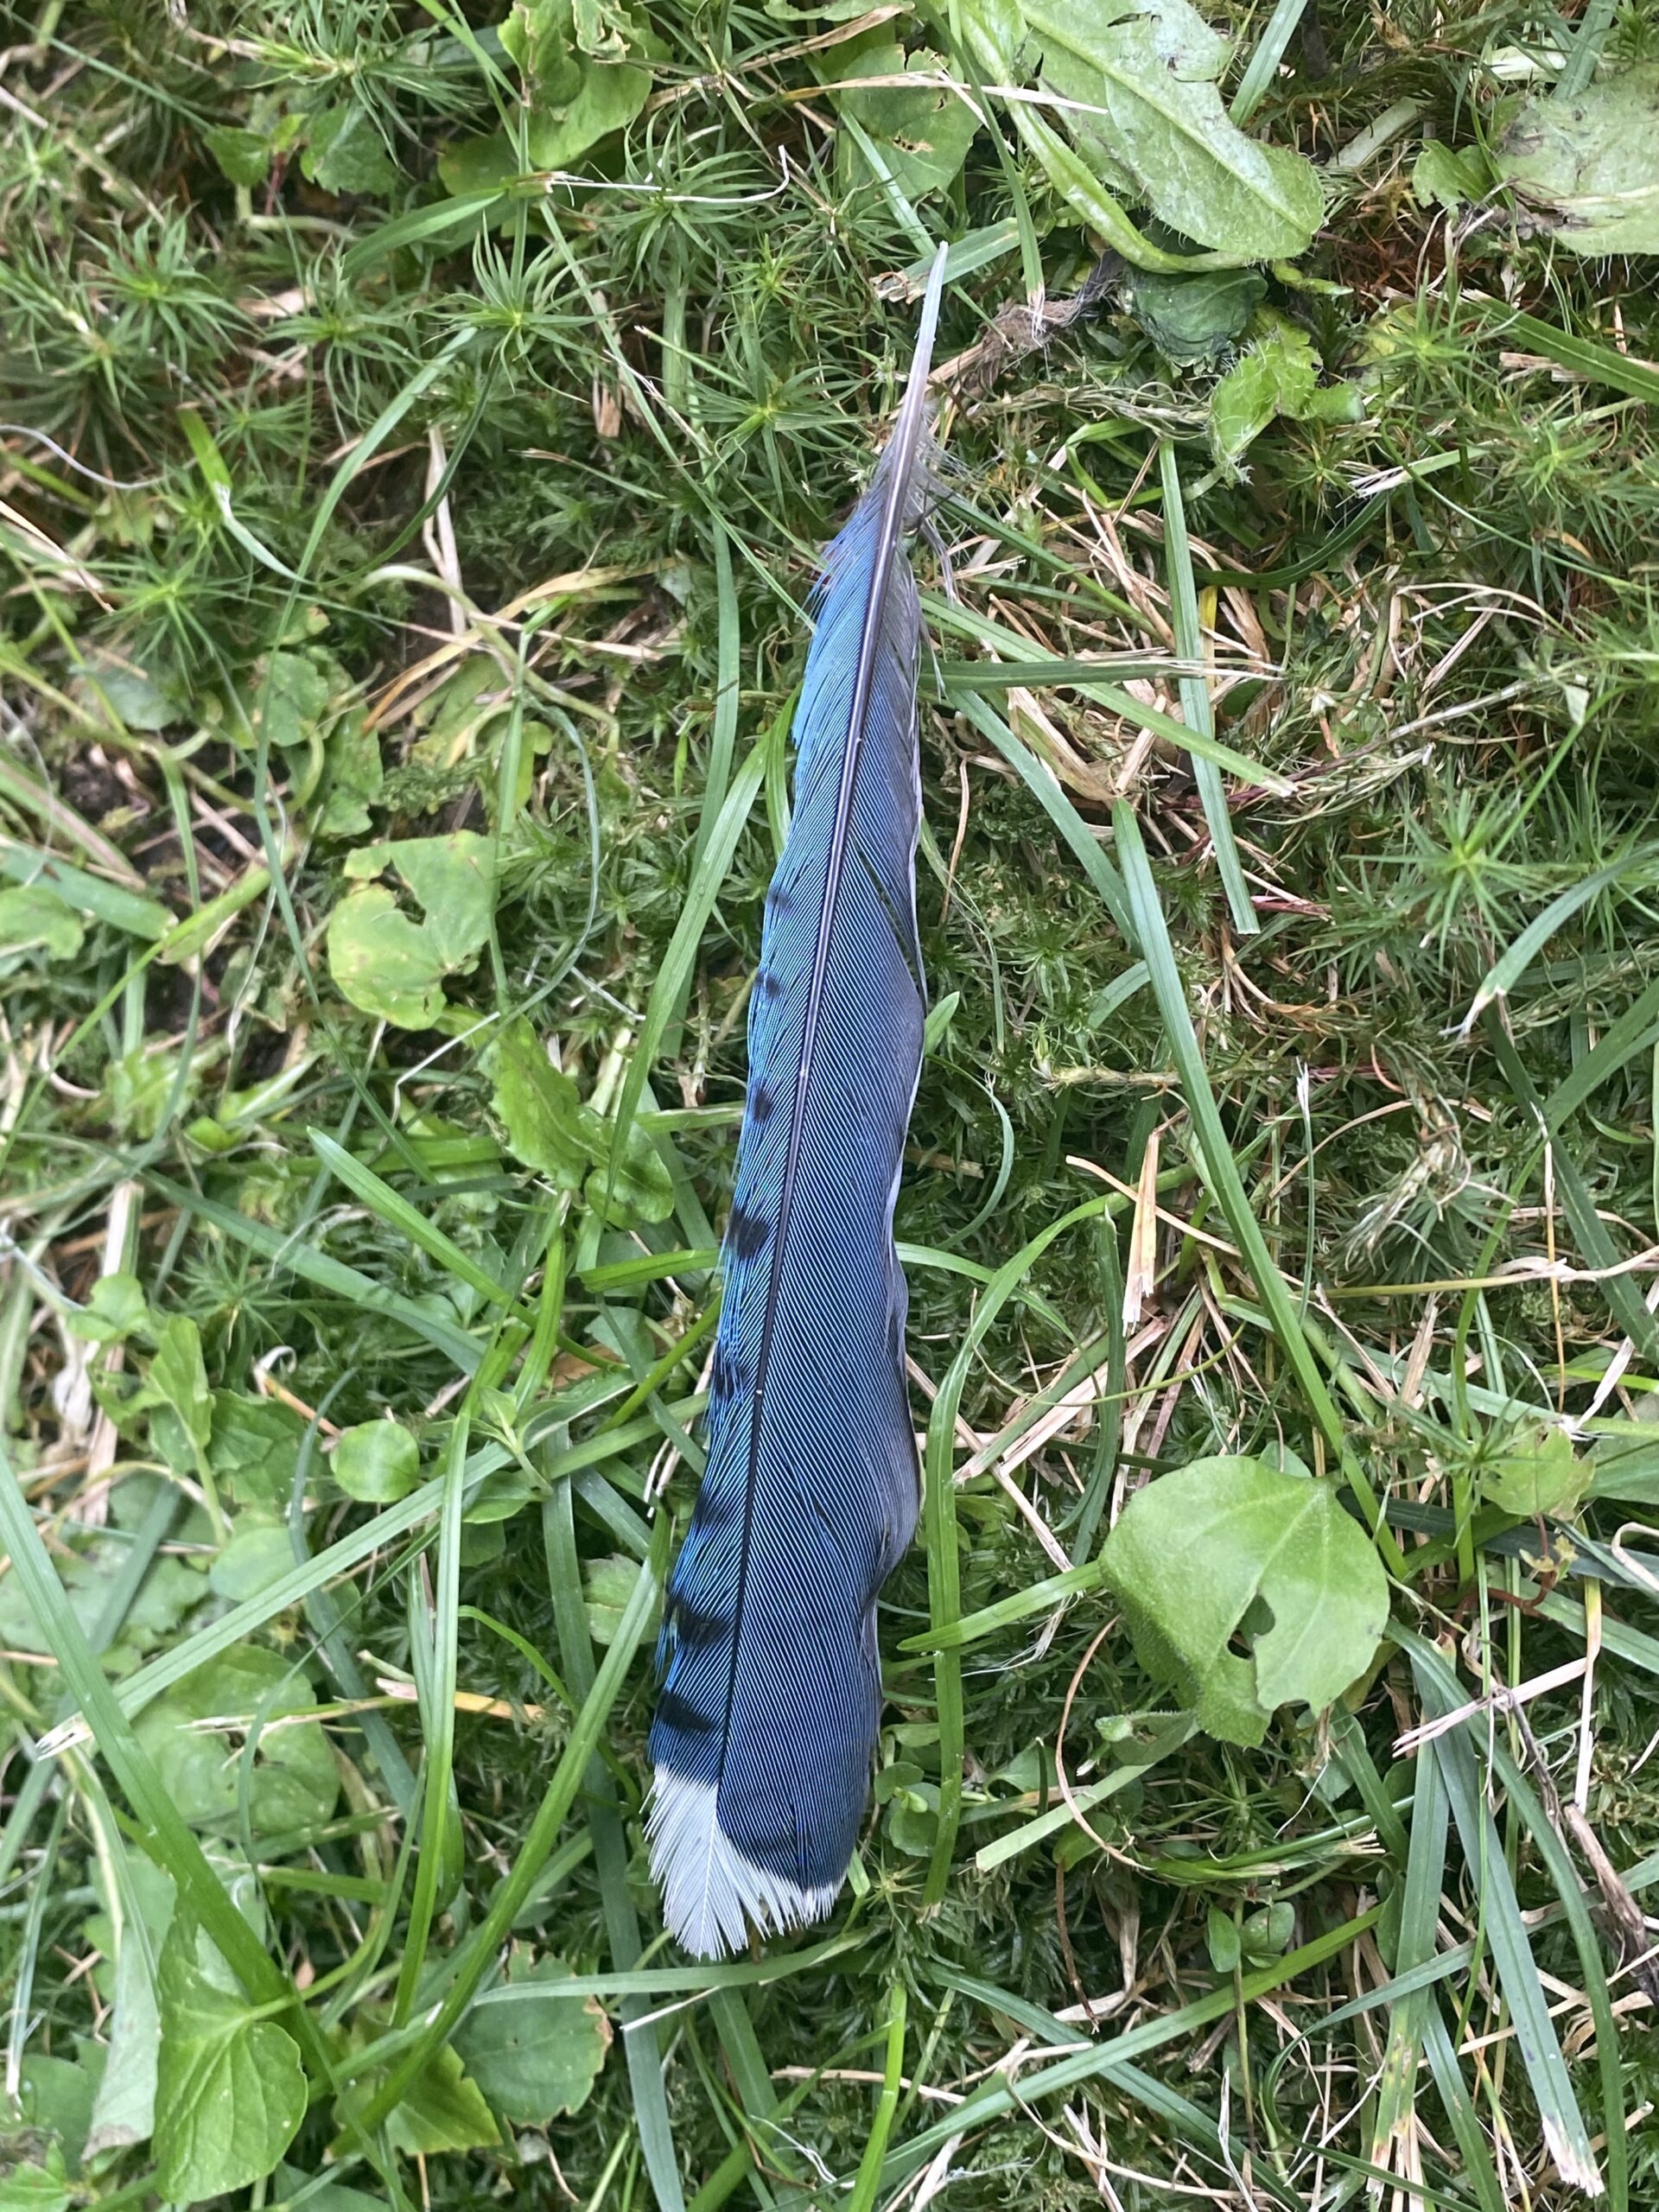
[294, 1782]
[533, 2051]
[385, 964]
[377, 1462]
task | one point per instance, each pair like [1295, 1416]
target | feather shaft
[766, 1718]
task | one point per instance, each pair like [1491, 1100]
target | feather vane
[766, 1718]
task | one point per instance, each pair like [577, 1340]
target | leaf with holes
[392, 967]
[1534, 1470]
[1248, 1589]
[1586, 165]
[921, 134]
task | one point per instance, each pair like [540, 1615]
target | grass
[1287, 905]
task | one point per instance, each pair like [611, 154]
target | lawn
[421, 429]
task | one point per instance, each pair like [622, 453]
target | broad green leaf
[344, 151]
[332, 2196]
[1280, 375]
[294, 1782]
[1221, 1939]
[1626, 1468]
[168, 1593]
[255, 1448]
[289, 704]
[454, 879]
[1229, 1548]
[230, 2089]
[377, 1462]
[178, 1378]
[1440, 178]
[113, 1311]
[259, 1554]
[243, 156]
[1267, 1932]
[610, 1585]
[35, 920]
[54, 2098]
[1194, 318]
[1536, 1471]
[36, 2183]
[441, 2109]
[385, 964]
[354, 781]
[1587, 165]
[533, 2053]
[586, 74]
[138, 1089]
[550, 1129]
[1151, 72]
[923, 135]
[143, 699]
[392, 967]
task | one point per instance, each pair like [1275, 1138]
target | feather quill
[766, 1724]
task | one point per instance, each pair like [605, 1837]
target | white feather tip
[711, 1891]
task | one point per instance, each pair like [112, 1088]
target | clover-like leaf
[1248, 1589]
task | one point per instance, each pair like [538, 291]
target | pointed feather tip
[711, 1891]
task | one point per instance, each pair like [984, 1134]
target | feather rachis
[766, 1727]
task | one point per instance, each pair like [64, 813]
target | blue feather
[766, 1724]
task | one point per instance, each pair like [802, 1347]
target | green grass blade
[939, 1526]
[389, 1206]
[543, 1833]
[1151, 934]
[1195, 693]
[341, 1282]
[640, 2045]
[1565, 2134]
[88, 894]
